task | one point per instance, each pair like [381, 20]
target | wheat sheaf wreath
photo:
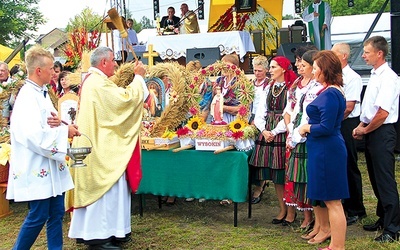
[175, 113]
[178, 107]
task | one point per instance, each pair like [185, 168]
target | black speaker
[200, 12]
[297, 6]
[287, 50]
[145, 60]
[350, 3]
[206, 56]
[156, 8]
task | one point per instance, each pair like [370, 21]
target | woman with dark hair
[302, 93]
[268, 157]
[327, 155]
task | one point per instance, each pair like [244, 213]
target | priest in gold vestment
[189, 22]
[111, 117]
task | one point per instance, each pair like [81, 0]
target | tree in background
[146, 23]
[87, 20]
[340, 8]
[19, 19]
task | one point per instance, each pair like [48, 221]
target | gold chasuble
[111, 117]
[191, 24]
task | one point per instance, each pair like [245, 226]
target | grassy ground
[194, 225]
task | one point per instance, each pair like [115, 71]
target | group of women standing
[300, 147]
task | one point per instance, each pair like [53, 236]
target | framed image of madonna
[245, 5]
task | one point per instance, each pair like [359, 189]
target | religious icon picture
[155, 102]
[245, 5]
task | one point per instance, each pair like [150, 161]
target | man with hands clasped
[379, 113]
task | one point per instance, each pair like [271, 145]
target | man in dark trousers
[379, 113]
[353, 206]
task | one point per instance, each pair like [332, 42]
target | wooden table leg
[4, 203]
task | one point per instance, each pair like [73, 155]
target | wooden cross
[150, 54]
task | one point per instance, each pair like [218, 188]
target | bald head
[342, 50]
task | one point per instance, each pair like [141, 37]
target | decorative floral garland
[238, 129]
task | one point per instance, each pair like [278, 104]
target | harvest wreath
[238, 132]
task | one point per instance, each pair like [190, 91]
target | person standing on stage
[352, 82]
[111, 117]
[133, 39]
[318, 15]
[189, 22]
[379, 113]
[38, 173]
[170, 19]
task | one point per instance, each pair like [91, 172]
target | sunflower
[237, 125]
[195, 123]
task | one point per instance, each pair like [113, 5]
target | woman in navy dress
[327, 155]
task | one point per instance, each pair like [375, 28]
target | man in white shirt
[38, 172]
[379, 113]
[353, 206]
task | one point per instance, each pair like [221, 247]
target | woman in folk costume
[261, 85]
[269, 153]
[305, 91]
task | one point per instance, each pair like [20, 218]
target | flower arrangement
[243, 87]
[79, 40]
[258, 20]
[239, 129]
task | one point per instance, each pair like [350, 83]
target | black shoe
[278, 221]
[105, 246]
[387, 238]
[256, 200]
[119, 241]
[378, 225]
[352, 220]
[286, 223]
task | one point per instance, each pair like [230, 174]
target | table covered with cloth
[196, 174]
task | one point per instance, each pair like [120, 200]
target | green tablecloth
[197, 174]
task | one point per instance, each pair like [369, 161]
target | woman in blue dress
[327, 155]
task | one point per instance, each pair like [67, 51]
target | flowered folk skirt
[268, 158]
[296, 178]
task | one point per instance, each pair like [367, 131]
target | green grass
[193, 225]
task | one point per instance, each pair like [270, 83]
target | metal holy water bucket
[79, 154]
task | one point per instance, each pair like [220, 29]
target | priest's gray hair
[99, 54]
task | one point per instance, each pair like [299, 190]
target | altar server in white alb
[39, 142]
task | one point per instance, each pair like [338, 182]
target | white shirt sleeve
[259, 119]
[307, 17]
